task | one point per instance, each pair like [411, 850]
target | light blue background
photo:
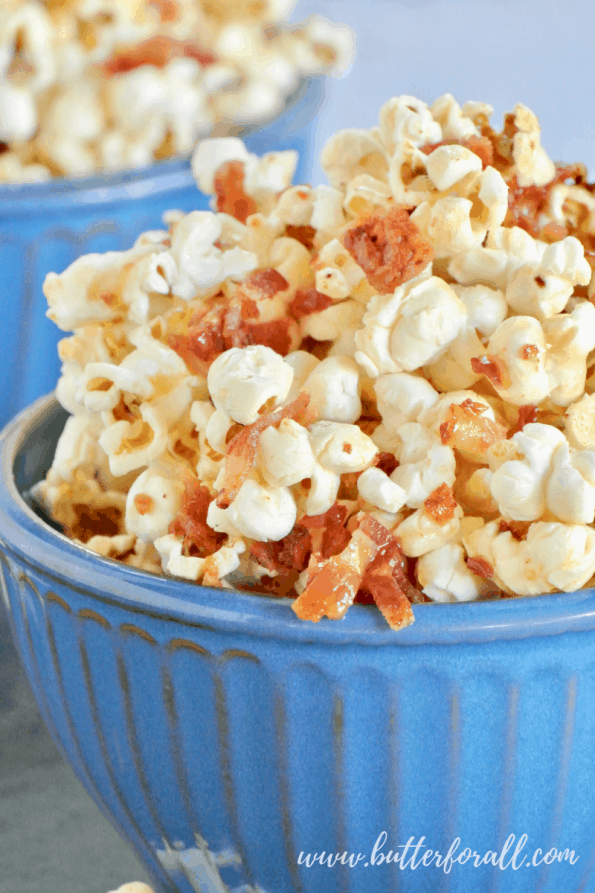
[537, 52]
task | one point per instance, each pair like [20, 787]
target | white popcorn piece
[285, 454]
[570, 488]
[324, 487]
[302, 363]
[424, 463]
[420, 533]
[407, 118]
[553, 557]
[295, 206]
[579, 423]
[409, 329]
[266, 514]
[211, 153]
[532, 164]
[173, 562]
[447, 225]
[18, 115]
[378, 489]
[242, 380]
[435, 415]
[340, 320]
[520, 344]
[570, 338]
[152, 504]
[447, 165]
[402, 397]
[519, 485]
[445, 577]
[366, 195]
[340, 275]
[351, 152]
[327, 215]
[456, 122]
[453, 370]
[334, 386]
[216, 428]
[201, 266]
[133, 887]
[341, 448]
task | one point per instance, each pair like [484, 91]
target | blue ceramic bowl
[44, 227]
[223, 737]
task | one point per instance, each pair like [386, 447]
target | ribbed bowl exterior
[45, 227]
[222, 737]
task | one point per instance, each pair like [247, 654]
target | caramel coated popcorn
[101, 85]
[379, 390]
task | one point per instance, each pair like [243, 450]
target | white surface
[499, 51]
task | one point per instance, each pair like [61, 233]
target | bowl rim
[102, 187]
[33, 542]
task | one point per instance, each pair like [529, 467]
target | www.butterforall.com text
[416, 854]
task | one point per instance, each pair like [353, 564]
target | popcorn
[90, 87]
[242, 380]
[379, 388]
[409, 329]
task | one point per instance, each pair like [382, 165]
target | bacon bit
[386, 462]
[527, 416]
[390, 599]
[331, 535]
[318, 349]
[4, 147]
[491, 367]
[229, 190]
[191, 521]
[241, 451]
[303, 234]
[157, 51]
[390, 249]
[540, 282]
[291, 553]
[308, 301]
[480, 145]
[263, 284]
[518, 529]
[143, 503]
[480, 567]
[109, 298]
[441, 504]
[211, 333]
[469, 432]
[529, 352]
[347, 448]
[336, 515]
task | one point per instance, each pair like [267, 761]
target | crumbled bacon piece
[109, 298]
[390, 249]
[529, 352]
[480, 567]
[143, 503]
[308, 301]
[466, 430]
[156, 51]
[372, 562]
[490, 366]
[480, 145]
[263, 284]
[386, 462]
[92, 521]
[518, 529]
[527, 416]
[210, 333]
[242, 448]
[291, 553]
[318, 349]
[230, 194]
[191, 521]
[441, 504]
[303, 234]
[331, 524]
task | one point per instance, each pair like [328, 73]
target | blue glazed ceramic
[44, 227]
[227, 740]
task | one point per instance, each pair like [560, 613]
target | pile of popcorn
[92, 85]
[377, 390]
